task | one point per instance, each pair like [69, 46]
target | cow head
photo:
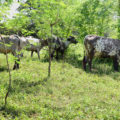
[72, 40]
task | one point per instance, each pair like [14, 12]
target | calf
[101, 47]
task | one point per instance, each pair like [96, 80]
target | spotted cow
[101, 47]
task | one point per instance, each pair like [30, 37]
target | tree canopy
[74, 17]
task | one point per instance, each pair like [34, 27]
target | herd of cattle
[14, 44]
[93, 46]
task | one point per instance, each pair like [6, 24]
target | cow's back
[12, 44]
[102, 46]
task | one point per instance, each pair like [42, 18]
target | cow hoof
[14, 68]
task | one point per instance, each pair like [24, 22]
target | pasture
[54, 85]
[69, 94]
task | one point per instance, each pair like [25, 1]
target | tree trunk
[118, 19]
[49, 68]
[9, 88]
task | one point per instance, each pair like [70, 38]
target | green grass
[69, 94]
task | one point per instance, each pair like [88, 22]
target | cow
[57, 44]
[101, 47]
[61, 46]
[35, 45]
[11, 44]
[54, 41]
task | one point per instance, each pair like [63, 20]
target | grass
[69, 94]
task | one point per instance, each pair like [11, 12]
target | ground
[69, 94]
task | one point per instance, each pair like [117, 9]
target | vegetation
[75, 17]
[69, 93]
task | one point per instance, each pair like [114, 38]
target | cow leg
[90, 64]
[21, 55]
[57, 55]
[62, 54]
[115, 63]
[84, 62]
[32, 53]
[52, 54]
[91, 54]
[16, 65]
[38, 54]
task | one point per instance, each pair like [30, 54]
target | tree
[3, 9]
[94, 16]
[119, 19]
[37, 18]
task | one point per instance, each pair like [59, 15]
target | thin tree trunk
[119, 19]
[9, 88]
[49, 68]
[50, 44]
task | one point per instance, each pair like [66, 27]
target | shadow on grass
[3, 69]
[100, 66]
[10, 111]
[38, 82]
[28, 87]
[19, 86]
[74, 61]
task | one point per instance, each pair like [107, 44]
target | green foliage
[118, 19]
[74, 18]
[94, 17]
